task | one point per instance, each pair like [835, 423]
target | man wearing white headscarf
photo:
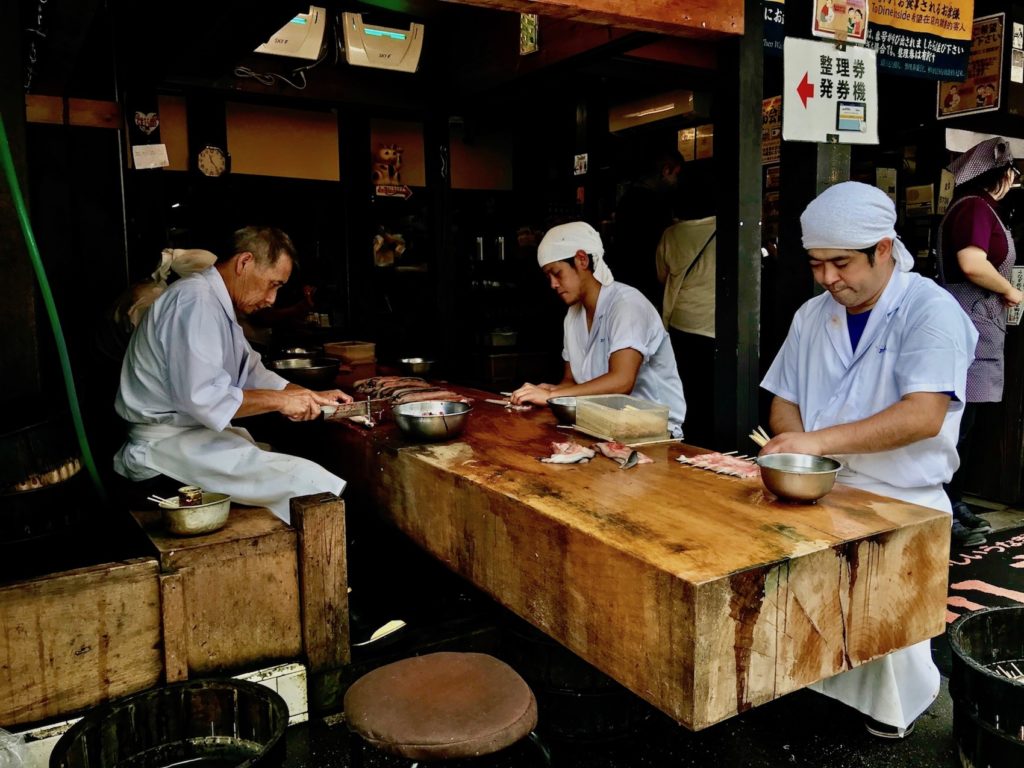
[874, 372]
[614, 340]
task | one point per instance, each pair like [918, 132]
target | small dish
[210, 516]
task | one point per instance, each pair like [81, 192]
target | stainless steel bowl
[564, 409]
[798, 476]
[211, 515]
[416, 364]
[314, 373]
[432, 419]
[302, 352]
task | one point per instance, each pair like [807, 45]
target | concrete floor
[801, 729]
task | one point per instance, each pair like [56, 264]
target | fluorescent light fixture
[658, 107]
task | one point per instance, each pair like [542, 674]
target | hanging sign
[922, 39]
[830, 95]
[981, 90]
[774, 26]
[771, 130]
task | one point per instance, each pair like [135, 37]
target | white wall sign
[830, 95]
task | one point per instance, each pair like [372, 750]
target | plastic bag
[12, 750]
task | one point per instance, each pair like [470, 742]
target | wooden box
[78, 638]
[352, 351]
[231, 597]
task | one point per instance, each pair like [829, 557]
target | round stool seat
[441, 706]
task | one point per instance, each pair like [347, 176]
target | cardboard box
[352, 351]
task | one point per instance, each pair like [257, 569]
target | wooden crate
[76, 639]
[231, 597]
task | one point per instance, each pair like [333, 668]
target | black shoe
[962, 536]
[884, 731]
[963, 513]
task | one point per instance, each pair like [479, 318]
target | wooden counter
[699, 592]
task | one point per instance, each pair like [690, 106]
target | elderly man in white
[614, 340]
[189, 371]
[873, 372]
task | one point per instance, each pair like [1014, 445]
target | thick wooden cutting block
[75, 639]
[700, 593]
[236, 605]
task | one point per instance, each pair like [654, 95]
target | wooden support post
[319, 521]
[175, 627]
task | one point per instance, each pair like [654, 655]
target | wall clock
[212, 161]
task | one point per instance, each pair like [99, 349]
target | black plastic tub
[987, 686]
[202, 724]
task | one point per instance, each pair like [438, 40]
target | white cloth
[181, 383]
[625, 319]
[916, 340]
[562, 242]
[855, 216]
[688, 304]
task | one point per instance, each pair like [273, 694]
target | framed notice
[771, 130]
[686, 143]
[981, 91]
[844, 20]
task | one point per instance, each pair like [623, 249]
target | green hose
[51, 310]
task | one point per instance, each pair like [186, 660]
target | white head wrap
[853, 216]
[562, 242]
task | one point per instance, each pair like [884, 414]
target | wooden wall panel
[274, 141]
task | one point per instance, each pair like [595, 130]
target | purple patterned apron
[988, 313]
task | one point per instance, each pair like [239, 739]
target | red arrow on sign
[805, 90]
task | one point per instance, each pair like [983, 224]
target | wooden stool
[442, 706]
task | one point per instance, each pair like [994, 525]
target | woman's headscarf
[851, 215]
[981, 158]
[562, 242]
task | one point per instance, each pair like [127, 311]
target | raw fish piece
[626, 456]
[568, 453]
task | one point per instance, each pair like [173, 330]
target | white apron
[227, 462]
[898, 687]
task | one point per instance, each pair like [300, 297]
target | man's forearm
[785, 417]
[902, 423]
[258, 401]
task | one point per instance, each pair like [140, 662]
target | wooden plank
[319, 521]
[240, 588]
[76, 639]
[175, 627]
[89, 113]
[699, 592]
[707, 19]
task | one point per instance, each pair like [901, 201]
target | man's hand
[332, 397]
[300, 404]
[793, 442]
[537, 394]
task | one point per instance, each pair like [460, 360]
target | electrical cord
[269, 78]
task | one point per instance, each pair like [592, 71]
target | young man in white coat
[189, 371]
[874, 373]
[614, 342]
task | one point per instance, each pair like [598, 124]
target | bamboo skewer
[759, 436]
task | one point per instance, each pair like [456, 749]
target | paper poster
[920, 39]
[980, 91]
[885, 180]
[920, 200]
[1018, 36]
[1013, 314]
[771, 130]
[579, 165]
[946, 184]
[844, 20]
[149, 156]
[686, 143]
[705, 142]
[1016, 66]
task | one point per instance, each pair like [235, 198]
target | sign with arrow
[393, 190]
[830, 93]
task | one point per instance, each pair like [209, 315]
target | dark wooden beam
[701, 19]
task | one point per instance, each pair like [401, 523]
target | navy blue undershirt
[856, 324]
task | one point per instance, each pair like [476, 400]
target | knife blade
[355, 408]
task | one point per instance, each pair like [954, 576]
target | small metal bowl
[210, 516]
[798, 476]
[432, 420]
[416, 364]
[564, 409]
[314, 373]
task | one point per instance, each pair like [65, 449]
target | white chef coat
[917, 339]
[625, 319]
[181, 383]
